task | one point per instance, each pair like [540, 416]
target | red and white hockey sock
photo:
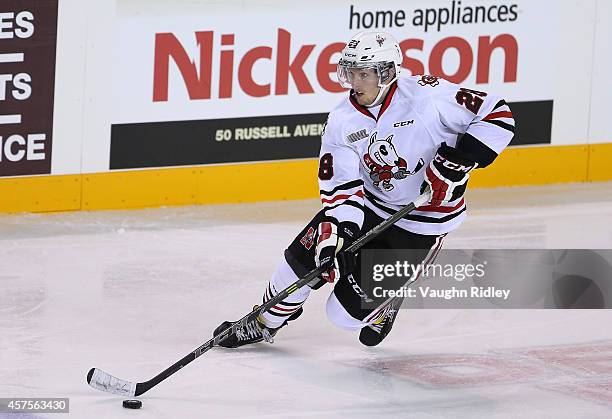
[281, 279]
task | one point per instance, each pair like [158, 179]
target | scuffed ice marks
[19, 299]
[151, 277]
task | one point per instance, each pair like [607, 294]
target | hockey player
[372, 162]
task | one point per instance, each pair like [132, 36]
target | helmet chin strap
[384, 88]
[381, 95]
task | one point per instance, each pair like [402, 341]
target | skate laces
[248, 331]
[253, 330]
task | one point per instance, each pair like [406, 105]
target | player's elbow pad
[480, 153]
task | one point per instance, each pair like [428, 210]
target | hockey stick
[103, 381]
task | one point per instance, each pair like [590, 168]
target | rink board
[277, 137]
[141, 106]
[269, 181]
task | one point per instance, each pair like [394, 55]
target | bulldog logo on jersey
[385, 164]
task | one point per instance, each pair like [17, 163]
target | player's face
[364, 82]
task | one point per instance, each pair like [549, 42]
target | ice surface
[131, 292]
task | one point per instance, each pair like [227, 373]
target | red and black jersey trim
[442, 209]
[340, 197]
[493, 117]
[412, 217]
[500, 114]
[345, 186]
[347, 202]
[500, 104]
[501, 124]
[359, 107]
[349, 193]
[385, 103]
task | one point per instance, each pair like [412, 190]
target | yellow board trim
[272, 181]
[600, 162]
[519, 166]
[40, 193]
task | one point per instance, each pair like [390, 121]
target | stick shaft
[360, 242]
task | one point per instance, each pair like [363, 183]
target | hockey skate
[252, 332]
[376, 332]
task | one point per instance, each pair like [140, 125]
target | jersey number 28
[326, 166]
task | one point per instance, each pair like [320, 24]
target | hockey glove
[331, 239]
[447, 175]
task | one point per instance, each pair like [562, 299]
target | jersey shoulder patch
[427, 86]
[428, 80]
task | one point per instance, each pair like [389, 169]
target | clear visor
[351, 71]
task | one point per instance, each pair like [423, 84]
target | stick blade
[103, 381]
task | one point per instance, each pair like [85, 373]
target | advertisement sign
[28, 33]
[216, 88]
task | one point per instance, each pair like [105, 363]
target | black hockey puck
[132, 404]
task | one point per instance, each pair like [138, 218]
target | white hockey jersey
[379, 160]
